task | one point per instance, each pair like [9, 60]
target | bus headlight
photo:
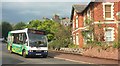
[45, 51]
[31, 50]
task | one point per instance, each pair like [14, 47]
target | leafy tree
[43, 25]
[19, 26]
[6, 27]
[58, 34]
[50, 37]
[34, 24]
[46, 25]
[62, 37]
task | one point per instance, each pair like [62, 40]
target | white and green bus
[28, 42]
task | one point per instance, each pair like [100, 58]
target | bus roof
[27, 29]
[19, 31]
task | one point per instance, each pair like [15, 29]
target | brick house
[84, 17]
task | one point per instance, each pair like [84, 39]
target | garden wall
[109, 53]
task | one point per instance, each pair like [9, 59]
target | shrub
[116, 45]
[73, 46]
[105, 46]
[98, 43]
[87, 46]
[50, 37]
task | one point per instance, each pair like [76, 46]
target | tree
[58, 34]
[34, 24]
[6, 27]
[43, 25]
[19, 26]
[46, 25]
[62, 36]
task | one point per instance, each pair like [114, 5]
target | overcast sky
[25, 11]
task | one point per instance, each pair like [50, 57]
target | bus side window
[20, 38]
[16, 38]
[24, 38]
[12, 38]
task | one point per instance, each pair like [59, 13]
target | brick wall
[96, 10]
[116, 6]
[80, 19]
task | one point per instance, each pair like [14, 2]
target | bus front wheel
[24, 54]
[11, 49]
[45, 56]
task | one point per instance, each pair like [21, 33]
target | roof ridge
[79, 4]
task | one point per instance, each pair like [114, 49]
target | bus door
[10, 40]
[18, 42]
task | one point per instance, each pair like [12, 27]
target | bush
[116, 45]
[54, 44]
[73, 46]
[105, 46]
[86, 46]
[98, 43]
[50, 37]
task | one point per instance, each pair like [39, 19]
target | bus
[28, 42]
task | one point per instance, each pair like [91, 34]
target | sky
[23, 10]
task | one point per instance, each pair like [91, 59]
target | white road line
[73, 60]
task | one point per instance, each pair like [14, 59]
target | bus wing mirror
[26, 41]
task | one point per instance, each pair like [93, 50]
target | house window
[88, 13]
[84, 18]
[77, 39]
[108, 11]
[74, 13]
[76, 21]
[109, 34]
[73, 39]
[73, 25]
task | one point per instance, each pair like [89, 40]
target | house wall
[116, 7]
[98, 9]
[80, 20]
[97, 13]
[119, 5]
[77, 31]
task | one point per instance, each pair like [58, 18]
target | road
[8, 58]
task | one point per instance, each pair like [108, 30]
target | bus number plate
[38, 54]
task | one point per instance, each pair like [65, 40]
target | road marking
[73, 60]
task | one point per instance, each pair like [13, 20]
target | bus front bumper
[36, 53]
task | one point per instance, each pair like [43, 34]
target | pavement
[80, 58]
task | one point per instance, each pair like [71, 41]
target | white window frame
[74, 13]
[112, 36]
[112, 10]
[88, 13]
[73, 38]
[77, 22]
[84, 18]
[73, 25]
[77, 39]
